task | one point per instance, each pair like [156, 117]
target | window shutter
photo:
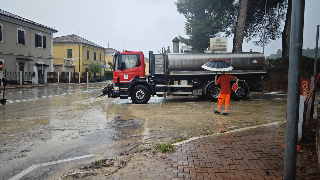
[36, 40]
[22, 38]
[44, 42]
[19, 37]
[0, 33]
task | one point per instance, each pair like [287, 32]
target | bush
[277, 70]
[165, 148]
[306, 64]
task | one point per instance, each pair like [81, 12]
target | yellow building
[68, 49]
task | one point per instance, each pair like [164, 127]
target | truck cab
[129, 64]
[129, 79]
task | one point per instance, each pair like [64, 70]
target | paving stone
[250, 154]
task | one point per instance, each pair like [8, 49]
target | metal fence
[66, 77]
[55, 77]
[14, 77]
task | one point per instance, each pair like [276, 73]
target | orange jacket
[224, 81]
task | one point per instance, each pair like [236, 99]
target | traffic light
[250, 50]
[0, 67]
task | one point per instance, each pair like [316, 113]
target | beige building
[146, 62]
[109, 52]
[25, 46]
[73, 53]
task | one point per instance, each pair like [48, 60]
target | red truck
[181, 75]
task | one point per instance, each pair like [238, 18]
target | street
[52, 130]
[46, 124]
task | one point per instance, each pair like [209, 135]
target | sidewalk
[249, 154]
[255, 153]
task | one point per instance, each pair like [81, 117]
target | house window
[1, 27]
[44, 45]
[100, 56]
[21, 36]
[40, 41]
[87, 54]
[95, 55]
[69, 53]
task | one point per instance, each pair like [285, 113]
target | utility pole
[79, 57]
[295, 55]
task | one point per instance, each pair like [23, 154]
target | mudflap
[108, 90]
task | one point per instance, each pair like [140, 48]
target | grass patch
[165, 148]
[181, 139]
[100, 161]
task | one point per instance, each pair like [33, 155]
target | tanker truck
[181, 75]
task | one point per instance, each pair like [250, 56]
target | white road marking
[31, 168]
[231, 131]
[20, 175]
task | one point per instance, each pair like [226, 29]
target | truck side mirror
[122, 65]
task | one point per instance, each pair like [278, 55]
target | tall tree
[286, 31]
[264, 19]
[200, 27]
[205, 19]
[241, 22]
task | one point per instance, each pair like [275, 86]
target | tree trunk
[241, 22]
[286, 32]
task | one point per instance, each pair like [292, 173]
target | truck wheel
[241, 92]
[140, 94]
[213, 92]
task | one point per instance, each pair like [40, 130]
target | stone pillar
[175, 45]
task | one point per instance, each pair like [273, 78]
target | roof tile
[74, 39]
[5, 13]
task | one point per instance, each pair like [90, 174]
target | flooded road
[47, 124]
[49, 131]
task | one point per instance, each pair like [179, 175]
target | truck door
[131, 69]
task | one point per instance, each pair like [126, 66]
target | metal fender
[205, 87]
[135, 82]
[241, 81]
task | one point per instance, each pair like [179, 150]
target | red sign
[305, 87]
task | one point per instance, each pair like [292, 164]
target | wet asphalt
[47, 130]
[43, 128]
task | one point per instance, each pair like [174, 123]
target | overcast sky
[142, 25]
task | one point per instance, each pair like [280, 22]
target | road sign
[104, 66]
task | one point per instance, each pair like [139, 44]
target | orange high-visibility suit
[225, 91]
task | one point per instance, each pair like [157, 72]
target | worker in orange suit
[225, 91]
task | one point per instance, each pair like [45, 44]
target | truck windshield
[131, 60]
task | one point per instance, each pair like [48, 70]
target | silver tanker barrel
[241, 62]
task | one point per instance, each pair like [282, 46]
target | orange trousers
[224, 98]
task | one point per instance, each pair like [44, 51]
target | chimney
[175, 45]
